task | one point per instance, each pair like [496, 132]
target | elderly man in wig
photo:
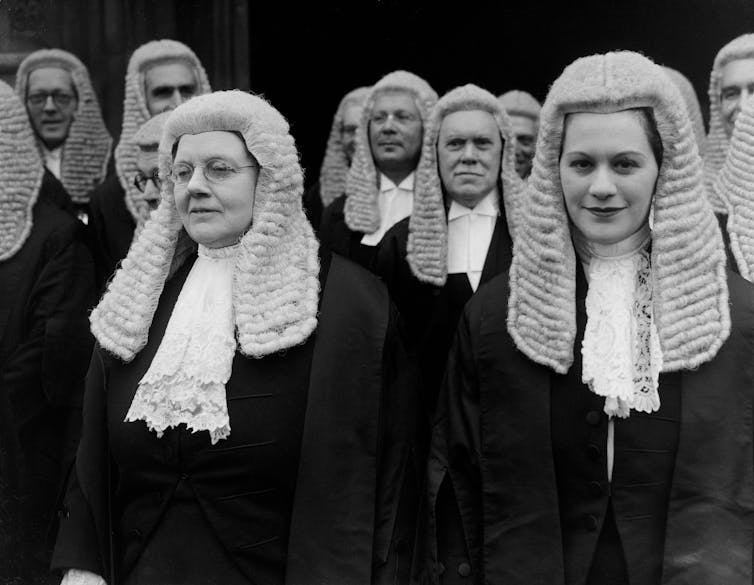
[458, 236]
[65, 115]
[523, 110]
[381, 182]
[341, 146]
[161, 75]
[46, 290]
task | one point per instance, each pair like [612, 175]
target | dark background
[304, 56]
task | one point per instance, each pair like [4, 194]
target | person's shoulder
[398, 233]
[108, 189]
[741, 300]
[355, 283]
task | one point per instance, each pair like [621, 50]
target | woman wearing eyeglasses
[246, 420]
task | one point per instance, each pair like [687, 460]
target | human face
[395, 132]
[525, 131]
[216, 214]
[52, 118]
[168, 85]
[146, 163]
[469, 150]
[736, 85]
[608, 174]
[349, 125]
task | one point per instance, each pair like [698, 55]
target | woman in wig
[246, 421]
[594, 425]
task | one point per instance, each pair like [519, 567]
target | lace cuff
[79, 577]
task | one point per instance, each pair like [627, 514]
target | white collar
[626, 248]
[488, 206]
[53, 154]
[406, 184]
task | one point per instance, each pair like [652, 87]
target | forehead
[738, 72]
[170, 73]
[206, 145]
[523, 125]
[146, 162]
[50, 78]
[469, 122]
[613, 132]
[394, 101]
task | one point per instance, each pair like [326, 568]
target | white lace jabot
[186, 381]
[621, 353]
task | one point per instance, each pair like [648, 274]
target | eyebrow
[621, 153]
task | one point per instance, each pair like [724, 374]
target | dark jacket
[431, 313]
[493, 477]
[312, 203]
[46, 291]
[352, 517]
[336, 236]
[112, 227]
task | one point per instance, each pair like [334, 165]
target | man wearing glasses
[380, 184]
[146, 179]
[66, 118]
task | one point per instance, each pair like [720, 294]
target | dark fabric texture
[299, 481]
[493, 445]
[46, 291]
[312, 203]
[337, 237]
[722, 220]
[112, 227]
[431, 313]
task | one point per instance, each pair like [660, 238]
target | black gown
[46, 291]
[431, 313]
[336, 236]
[112, 227]
[518, 492]
[317, 482]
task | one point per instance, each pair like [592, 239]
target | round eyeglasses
[141, 180]
[215, 170]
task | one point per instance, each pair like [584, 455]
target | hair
[646, 119]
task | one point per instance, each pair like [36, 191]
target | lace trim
[622, 358]
[186, 380]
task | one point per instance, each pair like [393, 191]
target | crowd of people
[496, 341]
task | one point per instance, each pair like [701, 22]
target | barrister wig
[520, 103]
[428, 227]
[86, 151]
[690, 294]
[149, 135]
[717, 142]
[361, 209]
[335, 165]
[276, 276]
[688, 93]
[735, 185]
[21, 173]
[135, 111]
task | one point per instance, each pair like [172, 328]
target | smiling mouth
[200, 211]
[604, 211]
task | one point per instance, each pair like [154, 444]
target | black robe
[338, 412]
[336, 236]
[312, 203]
[495, 491]
[112, 227]
[431, 313]
[46, 291]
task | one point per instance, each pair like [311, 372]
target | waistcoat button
[464, 569]
[595, 488]
[593, 451]
[594, 417]
[590, 522]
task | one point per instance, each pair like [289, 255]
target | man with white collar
[65, 115]
[433, 262]
[381, 181]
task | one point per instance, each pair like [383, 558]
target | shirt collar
[406, 184]
[488, 206]
[54, 154]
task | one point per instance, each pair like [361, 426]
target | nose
[389, 124]
[197, 185]
[176, 98]
[602, 186]
[742, 98]
[468, 154]
[151, 194]
[49, 104]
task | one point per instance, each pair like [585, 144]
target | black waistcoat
[644, 448]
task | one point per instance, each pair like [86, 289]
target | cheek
[181, 203]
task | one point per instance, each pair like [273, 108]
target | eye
[626, 164]
[379, 117]
[483, 143]
[730, 93]
[182, 173]
[162, 92]
[218, 170]
[580, 164]
[454, 143]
